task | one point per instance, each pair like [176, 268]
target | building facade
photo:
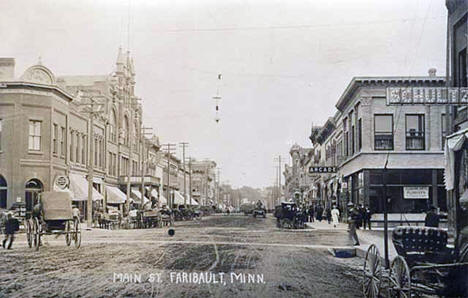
[45, 134]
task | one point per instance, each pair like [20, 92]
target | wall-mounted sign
[427, 95]
[322, 170]
[61, 181]
[416, 192]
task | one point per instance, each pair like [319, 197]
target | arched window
[32, 189]
[126, 132]
[3, 192]
[135, 135]
[112, 126]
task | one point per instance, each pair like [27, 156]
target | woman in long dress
[335, 213]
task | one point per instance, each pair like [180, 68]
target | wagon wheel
[36, 233]
[76, 233]
[27, 228]
[372, 272]
[400, 278]
[68, 235]
[286, 223]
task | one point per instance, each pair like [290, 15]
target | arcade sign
[322, 170]
[427, 95]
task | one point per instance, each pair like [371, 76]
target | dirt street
[219, 256]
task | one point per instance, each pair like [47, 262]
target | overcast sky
[284, 64]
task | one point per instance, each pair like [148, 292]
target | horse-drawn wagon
[53, 217]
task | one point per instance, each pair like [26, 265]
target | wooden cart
[55, 218]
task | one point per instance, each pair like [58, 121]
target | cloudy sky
[284, 63]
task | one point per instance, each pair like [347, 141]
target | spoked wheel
[36, 233]
[68, 235]
[400, 278]
[372, 273]
[286, 223]
[28, 230]
[77, 233]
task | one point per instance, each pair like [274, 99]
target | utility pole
[89, 205]
[143, 167]
[279, 193]
[184, 144]
[190, 179]
[217, 188]
[169, 149]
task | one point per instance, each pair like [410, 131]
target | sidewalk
[376, 237]
[366, 238]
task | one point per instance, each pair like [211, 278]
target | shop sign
[416, 192]
[427, 95]
[61, 181]
[322, 170]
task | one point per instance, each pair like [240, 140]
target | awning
[162, 199]
[79, 189]
[115, 195]
[178, 198]
[192, 202]
[136, 196]
[454, 143]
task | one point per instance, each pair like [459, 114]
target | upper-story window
[345, 137]
[415, 132]
[34, 142]
[359, 132]
[383, 132]
[54, 139]
[0, 134]
[112, 127]
[444, 131]
[62, 142]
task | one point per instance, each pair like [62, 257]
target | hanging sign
[427, 95]
[416, 192]
[322, 170]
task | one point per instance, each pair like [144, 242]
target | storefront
[408, 190]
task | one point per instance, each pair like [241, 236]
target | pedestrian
[362, 212]
[352, 223]
[311, 213]
[319, 213]
[11, 226]
[432, 218]
[328, 215]
[335, 214]
[367, 217]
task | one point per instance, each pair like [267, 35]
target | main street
[111, 263]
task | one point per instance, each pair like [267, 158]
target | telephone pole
[169, 150]
[190, 179]
[217, 187]
[89, 205]
[184, 145]
[279, 177]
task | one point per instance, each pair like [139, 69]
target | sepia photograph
[236, 148]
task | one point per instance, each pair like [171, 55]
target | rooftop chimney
[432, 72]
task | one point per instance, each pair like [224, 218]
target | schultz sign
[427, 95]
[322, 170]
[416, 192]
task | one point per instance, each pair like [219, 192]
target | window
[414, 132]
[359, 134]
[383, 132]
[0, 134]
[444, 131]
[83, 150]
[72, 144]
[62, 143]
[34, 135]
[346, 137]
[54, 140]
[112, 128]
[77, 148]
[352, 140]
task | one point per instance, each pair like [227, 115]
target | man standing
[367, 215]
[432, 218]
[352, 221]
[311, 213]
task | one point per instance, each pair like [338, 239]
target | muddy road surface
[218, 256]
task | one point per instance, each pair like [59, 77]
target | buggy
[55, 218]
[152, 218]
[288, 216]
[259, 212]
[431, 261]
